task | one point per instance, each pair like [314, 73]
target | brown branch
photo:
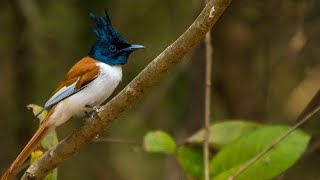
[207, 101]
[129, 95]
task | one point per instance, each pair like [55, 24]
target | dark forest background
[266, 66]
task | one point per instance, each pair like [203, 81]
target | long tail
[34, 141]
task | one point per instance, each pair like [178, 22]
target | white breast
[94, 94]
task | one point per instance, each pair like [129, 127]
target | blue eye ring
[112, 48]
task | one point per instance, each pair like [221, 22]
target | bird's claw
[94, 113]
[97, 109]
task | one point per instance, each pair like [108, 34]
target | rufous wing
[80, 75]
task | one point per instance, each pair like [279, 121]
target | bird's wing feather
[63, 93]
[78, 77]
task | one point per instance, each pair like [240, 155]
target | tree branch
[129, 95]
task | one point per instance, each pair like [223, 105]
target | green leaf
[277, 160]
[36, 109]
[191, 160]
[35, 155]
[52, 175]
[47, 143]
[224, 133]
[159, 142]
[50, 140]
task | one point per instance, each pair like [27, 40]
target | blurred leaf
[52, 175]
[159, 142]
[191, 160]
[47, 143]
[36, 109]
[35, 155]
[50, 140]
[224, 133]
[277, 160]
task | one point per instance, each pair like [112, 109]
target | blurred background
[266, 66]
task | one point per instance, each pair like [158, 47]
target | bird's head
[110, 47]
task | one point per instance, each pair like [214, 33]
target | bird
[85, 87]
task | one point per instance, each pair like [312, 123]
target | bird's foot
[95, 110]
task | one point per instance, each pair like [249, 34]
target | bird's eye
[112, 48]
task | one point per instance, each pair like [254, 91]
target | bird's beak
[133, 47]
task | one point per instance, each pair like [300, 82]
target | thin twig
[207, 101]
[273, 144]
[129, 95]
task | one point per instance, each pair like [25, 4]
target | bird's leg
[94, 112]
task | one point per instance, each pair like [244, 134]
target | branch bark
[130, 94]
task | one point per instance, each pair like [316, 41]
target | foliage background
[266, 68]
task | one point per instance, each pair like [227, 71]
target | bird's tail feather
[34, 141]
